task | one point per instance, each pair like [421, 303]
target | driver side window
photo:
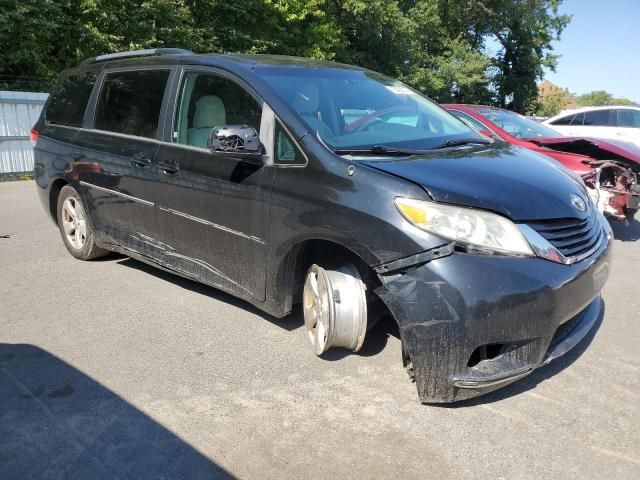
[206, 101]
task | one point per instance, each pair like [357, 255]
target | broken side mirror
[240, 141]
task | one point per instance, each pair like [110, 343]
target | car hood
[596, 148]
[516, 182]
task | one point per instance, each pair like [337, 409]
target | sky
[600, 48]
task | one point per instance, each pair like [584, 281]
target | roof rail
[135, 53]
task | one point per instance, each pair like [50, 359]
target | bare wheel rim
[74, 223]
[316, 305]
[335, 308]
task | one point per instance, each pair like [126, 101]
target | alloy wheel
[74, 223]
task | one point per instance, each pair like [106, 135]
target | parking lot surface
[112, 368]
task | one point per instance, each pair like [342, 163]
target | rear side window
[597, 118]
[130, 102]
[69, 101]
[577, 119]
[564, 120]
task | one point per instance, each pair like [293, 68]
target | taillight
[34, 137]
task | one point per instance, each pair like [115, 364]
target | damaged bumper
[614, 189]
[473, 323]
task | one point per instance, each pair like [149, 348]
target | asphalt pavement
[114, 369]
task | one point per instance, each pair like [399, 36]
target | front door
[214, 210]
[594, 123]
[116, 164]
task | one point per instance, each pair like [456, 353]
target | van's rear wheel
[75, 227]
[335, 308]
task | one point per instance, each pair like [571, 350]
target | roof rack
[135, 53]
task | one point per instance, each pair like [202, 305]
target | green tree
[29, 33]
[39, 38]
[595, 98]
[293, 27]
[459, 74]
[372, 33]
[441, 60]
[524, 30]
[601, 97]
[623, 101]
[551, 104]
[441, 47]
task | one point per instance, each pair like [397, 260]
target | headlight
[472, 228]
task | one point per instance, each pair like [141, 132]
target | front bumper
[473, 323]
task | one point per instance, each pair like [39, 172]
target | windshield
[517, 125]
[357, 110]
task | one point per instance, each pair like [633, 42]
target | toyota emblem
[578, 203]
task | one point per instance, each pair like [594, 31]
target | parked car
[610, 170]
[239, 171]
[613, 122]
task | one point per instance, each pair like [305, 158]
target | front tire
[75, 227]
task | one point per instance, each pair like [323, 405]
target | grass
[16, 176]
[26, 176]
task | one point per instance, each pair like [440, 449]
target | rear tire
[75, 227]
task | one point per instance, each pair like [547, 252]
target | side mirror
[241, 141]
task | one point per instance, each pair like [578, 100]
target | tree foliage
[600, 97]
[489, 51]
[552, 103]
[524, 29]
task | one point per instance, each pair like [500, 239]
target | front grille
[571, 236]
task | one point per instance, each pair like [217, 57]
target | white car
[611, 122]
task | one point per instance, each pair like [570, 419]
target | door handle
[141, 160]
[169, 167]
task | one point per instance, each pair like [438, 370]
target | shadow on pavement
[56, 422]
[289, 323]
[375, 341]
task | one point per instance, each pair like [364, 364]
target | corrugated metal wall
[18, 112]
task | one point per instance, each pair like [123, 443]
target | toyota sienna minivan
[290, 181]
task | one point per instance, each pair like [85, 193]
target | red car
[610, 170]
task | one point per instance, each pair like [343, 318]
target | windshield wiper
[462, 141]
[384, 150]
[381, 150]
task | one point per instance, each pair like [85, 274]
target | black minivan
[286, 180]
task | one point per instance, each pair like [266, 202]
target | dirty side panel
[214, 217]
[116, 177]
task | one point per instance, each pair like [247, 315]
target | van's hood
[513, 181]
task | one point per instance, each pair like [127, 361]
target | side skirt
[269, 307]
